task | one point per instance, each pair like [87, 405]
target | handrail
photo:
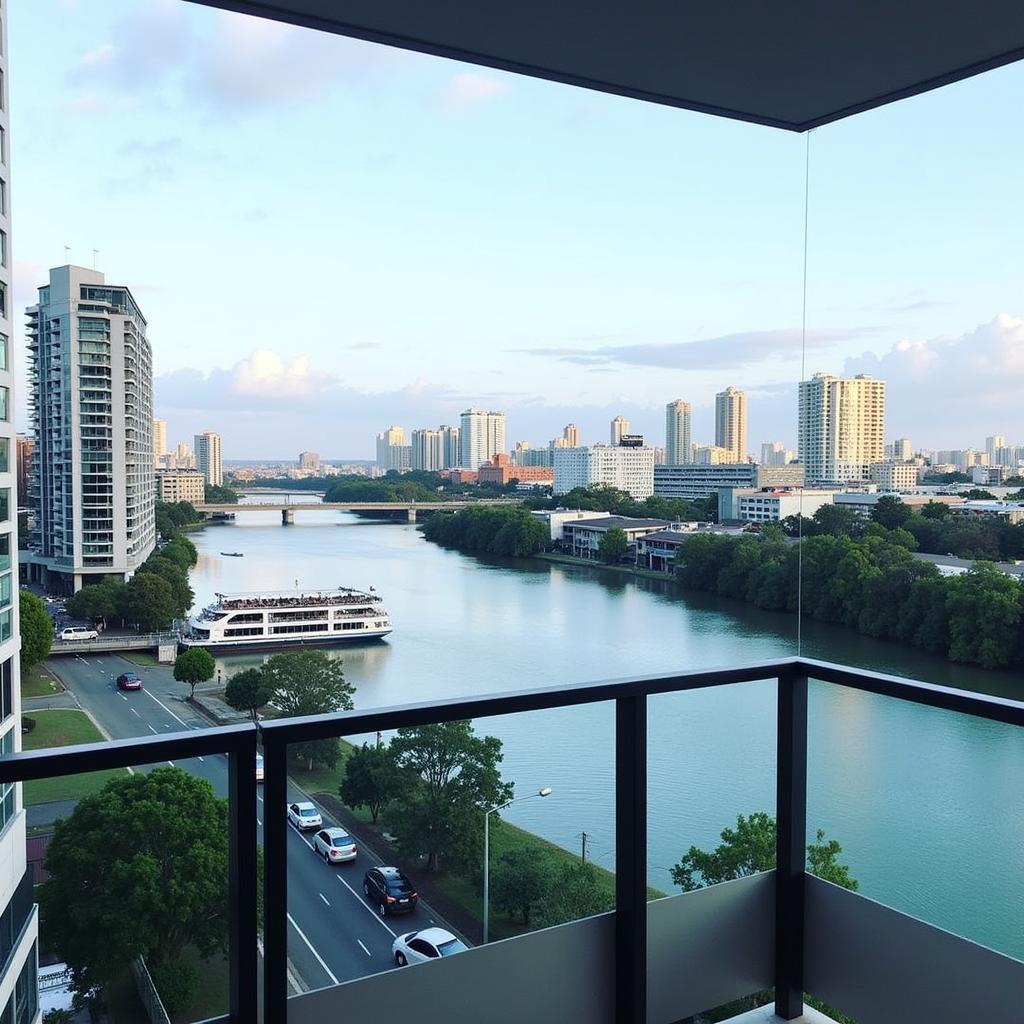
[239, 742]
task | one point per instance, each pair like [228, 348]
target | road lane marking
[373, 913]
[151, 729]
[133, 711]
[365, 950]
[324, 898]
[171, 763]
[201, 758]
[167, 709]
[312, 949]
[123, 697]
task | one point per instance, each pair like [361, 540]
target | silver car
[335, 845]
[304, 816]
[426, 944]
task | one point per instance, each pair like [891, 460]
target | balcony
[654, 961]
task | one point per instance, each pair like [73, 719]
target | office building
[309, 462]
[731, 423]
[159, 438]
[901, 450]
[841, 427]
[628, 469]
[390, 443]
[208, 457]
[678, 450]
[180, 485]
[19, 916]
[91, 411]
[427, 450]
[893, 476]
[712, 455]
[482, 437]
[768, 506]
[775, 453]
[697, 481]
[24, 449]
[571, 435]
[451, 447]
[992, 446]
[524, 455]
[620, 426]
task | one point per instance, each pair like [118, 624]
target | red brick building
[498, 471]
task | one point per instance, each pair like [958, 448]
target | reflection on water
[925, 803]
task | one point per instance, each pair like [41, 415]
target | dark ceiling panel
[794, 65]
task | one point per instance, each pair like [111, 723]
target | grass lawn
[61, 729]
[212, 995]
[38, 682]
[140, 657]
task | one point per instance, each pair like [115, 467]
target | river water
[928, 805]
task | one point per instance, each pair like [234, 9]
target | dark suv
[390, 891]
[129, 681]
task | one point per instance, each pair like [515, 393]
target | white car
[427, 944]
[259, 767]
[78, 633]
[304, 816]
[335, 845]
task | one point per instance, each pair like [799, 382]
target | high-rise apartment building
[678, 450]
[19, 999]
[392, 451]
[208, 458]
[571, 435]
[25, 448]
[901, 450]
[731, 423]
[775, 453]
[620, 426]
[90, 371]
[841, 428]
[628, 469]
[427, 450]
[993, 444]
[159, 438]
[309, 462]
[482, 437]
[451, 446]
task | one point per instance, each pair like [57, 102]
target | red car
[129, 681]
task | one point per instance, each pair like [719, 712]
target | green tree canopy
[371, 779]
[215, 494]
[890, 512]
[175, 576]
[97, 602]
[520, 881]
[194, 666]
[148, 601]
[750, 848]
[452, 776]
[36, 629]
[247, 691]
[613, 545]
[574, 893]
[138, 869]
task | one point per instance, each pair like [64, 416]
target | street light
[546, 791]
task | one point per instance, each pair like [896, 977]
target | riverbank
[588, 563]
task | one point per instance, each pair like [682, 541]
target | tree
[97, 602]
[750, 848]
[522, 880]
[177, 578]
[371, 779]
[890, 512]
[148, 601]
[575, 893]
[215, 494]
[452, 777]
[194, 666]
[613, 545]
[935, 510]
[162, 885]
[309, 683]
[247, 691]
[36, 629]
[839, 520]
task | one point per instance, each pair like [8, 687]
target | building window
[5, 504]
[3, 297]
[6, 791]
[26, 991]
[6, 694]
[3, 196]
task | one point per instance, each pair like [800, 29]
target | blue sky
[328, 236]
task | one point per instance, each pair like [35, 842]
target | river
[928, 805]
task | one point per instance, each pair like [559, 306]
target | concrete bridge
[289, 508]
[165, 644]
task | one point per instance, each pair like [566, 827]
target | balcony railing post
[631, 860]
[243, 878]
[275, 878]
[791, 844]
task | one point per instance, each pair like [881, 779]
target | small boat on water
[232, 554]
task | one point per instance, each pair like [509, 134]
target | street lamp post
[546, 791]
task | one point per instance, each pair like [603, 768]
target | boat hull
[281, 644]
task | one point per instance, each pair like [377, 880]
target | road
[334, 935]
[951, 563]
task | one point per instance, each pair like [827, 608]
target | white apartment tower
[841, 429]
[451, 446]
[427, 450]
[208, 459]
[19, 1000]
[620, 426]
[678, 451]
[482, 437]
[731, 423]
[390, 449]
[628, 469]
[571, 435]
[159, 439]
[90, 371]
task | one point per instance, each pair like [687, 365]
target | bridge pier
[287, 517]
[411, 514]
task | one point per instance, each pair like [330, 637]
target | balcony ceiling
[791, 64]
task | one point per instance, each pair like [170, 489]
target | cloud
[471, 89]
[726, 352]
[266, 374]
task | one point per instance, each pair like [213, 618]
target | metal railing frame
[240, 744]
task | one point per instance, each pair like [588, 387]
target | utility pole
[583, 854]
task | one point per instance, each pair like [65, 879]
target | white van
[78, 633]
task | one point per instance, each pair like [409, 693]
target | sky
[328, 236]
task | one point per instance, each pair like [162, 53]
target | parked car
[129, 681]
[389, 891]
[335, 845]
[78, 633]
[304, 816]
[259, 767]
[428, 944]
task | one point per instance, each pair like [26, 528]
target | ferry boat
[287, 619]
